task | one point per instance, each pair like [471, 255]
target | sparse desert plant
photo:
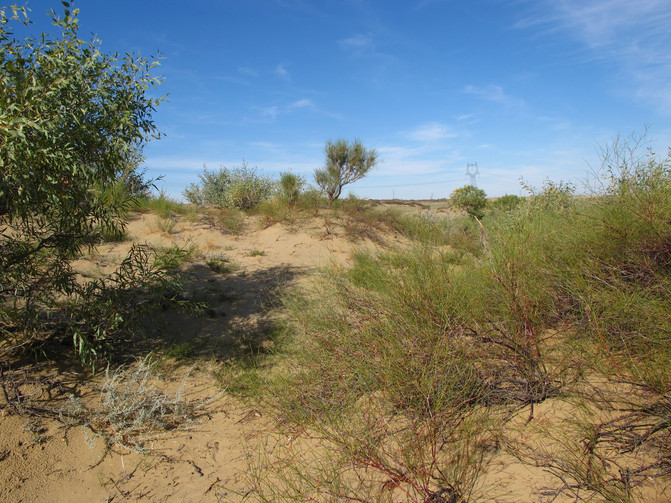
[345, 164]
[225, 219]
[311, 200]
[131, 410]
[220, 264]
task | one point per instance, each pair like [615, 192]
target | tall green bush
[470, 199]
[70, 115]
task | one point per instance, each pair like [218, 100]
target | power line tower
[471, 176]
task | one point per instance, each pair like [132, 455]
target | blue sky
[527, 89]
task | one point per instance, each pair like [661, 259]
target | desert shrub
[506, 203]
[469, 199]
[240, 188]
[226, 220]
[311, 200]
[291, 187]
[403, 338]
[132, 411]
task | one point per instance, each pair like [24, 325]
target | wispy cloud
[493, 93]
[302, 103]
[358, 44]
[282, 72]
[271, 113]
[366, 47]
[430, 132]
[250, 72]
[634, 35]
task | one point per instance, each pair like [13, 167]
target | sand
[206, 460]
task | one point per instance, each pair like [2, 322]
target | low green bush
[240, 188]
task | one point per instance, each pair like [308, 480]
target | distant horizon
[527, 89]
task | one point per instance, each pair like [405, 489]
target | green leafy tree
[470, 199]
[71, 118]
[345, 164]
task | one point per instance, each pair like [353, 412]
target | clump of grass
[225, 219]
[220, 264]
[163, 205]
[166, 224]
[257, 253]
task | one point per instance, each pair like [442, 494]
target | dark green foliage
[345, 164]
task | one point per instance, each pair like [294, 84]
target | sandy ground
[41, 460]
[207, 460]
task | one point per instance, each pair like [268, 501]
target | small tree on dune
[345, 164]
[470, 199]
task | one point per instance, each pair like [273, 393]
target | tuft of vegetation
[240, 188]
[291, 186]
[132, 411]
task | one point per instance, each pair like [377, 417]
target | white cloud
[245, 70]
[269, 112]
[357, 43]
[302, 103]
[430, 132]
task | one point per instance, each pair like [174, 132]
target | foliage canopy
[71, 120]
[470, 199]
[345, 164]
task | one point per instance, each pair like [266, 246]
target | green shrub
[345, 164]
[241, 188]
[508, 202]
[291, 187]
[470, 199]
[70, 115]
